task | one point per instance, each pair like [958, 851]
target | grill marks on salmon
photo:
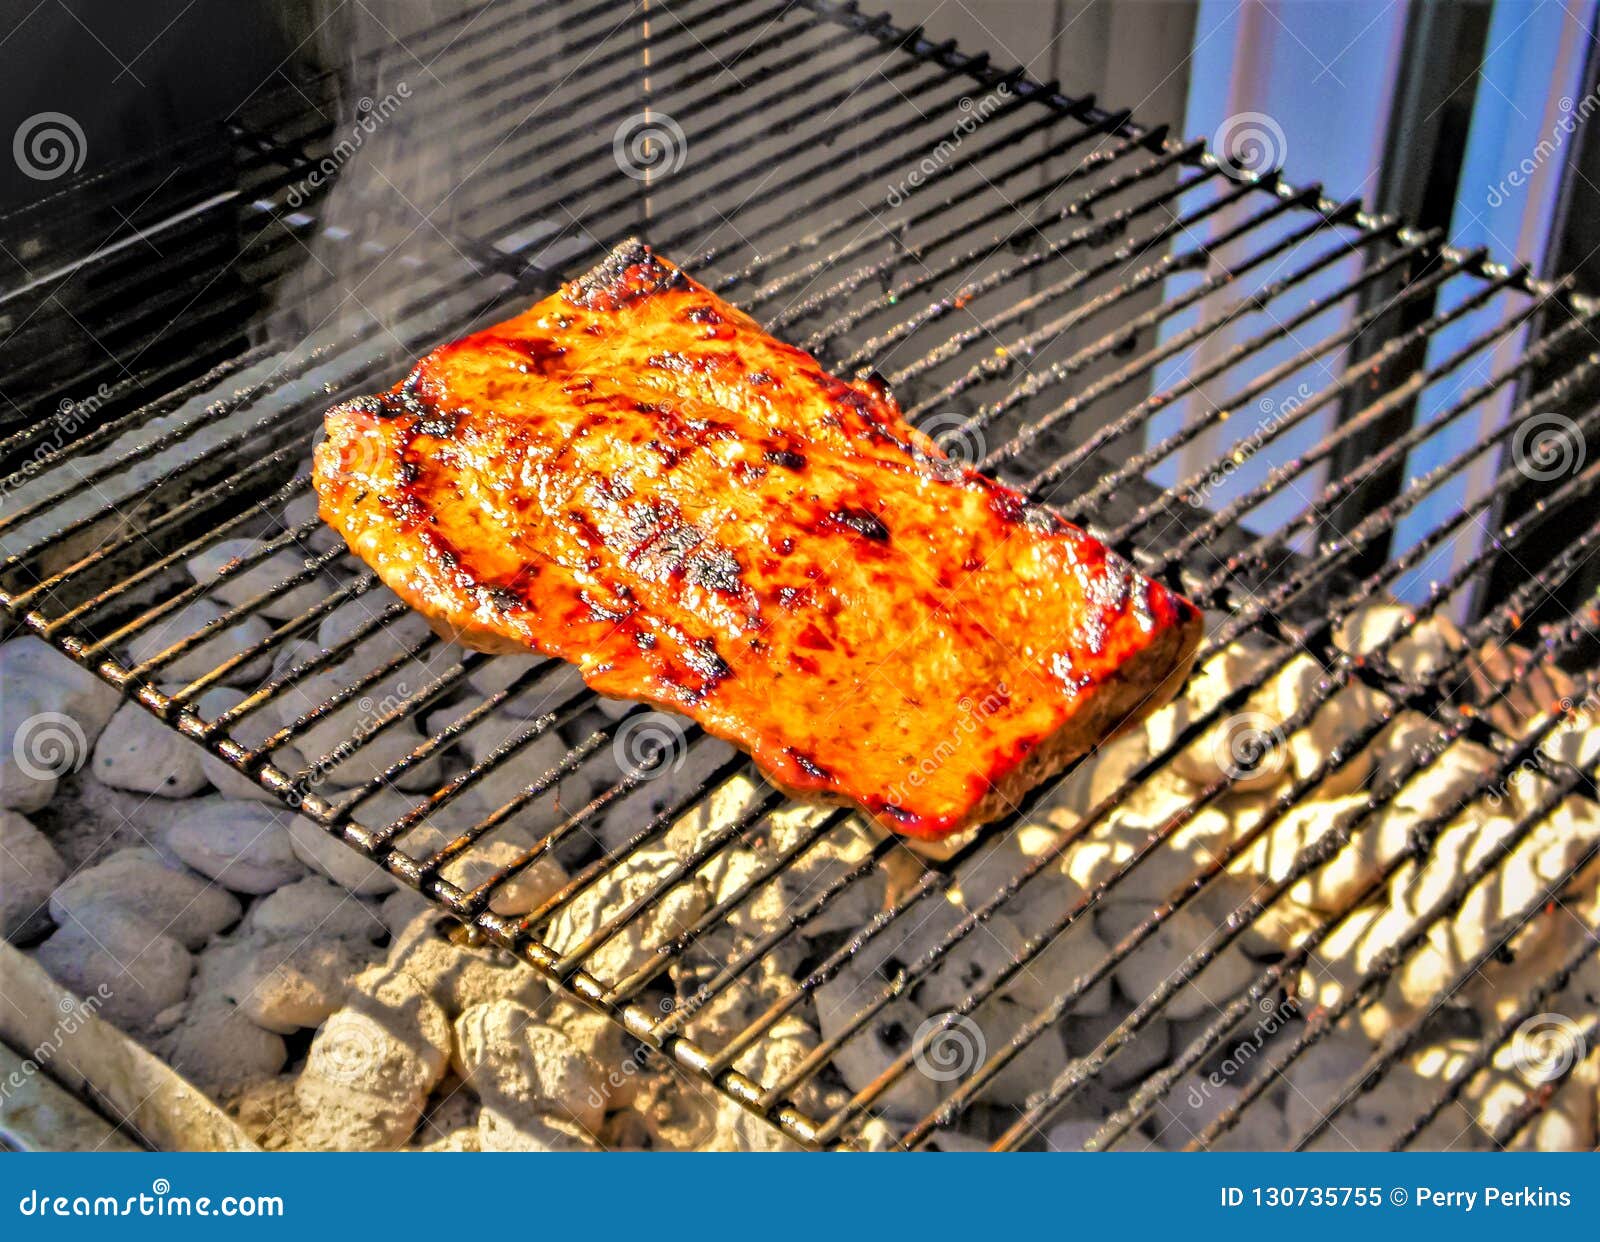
[632, 476]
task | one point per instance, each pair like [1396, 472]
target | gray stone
[30, 869]
[315, 906]
[216, 1047]
[141, 753]
[134, 969]
[518, 1065]
[336, 860]
[136, 882]
[242, 845]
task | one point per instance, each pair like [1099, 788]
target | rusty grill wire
[1191, 362]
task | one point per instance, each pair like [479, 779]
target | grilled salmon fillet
[632, 476]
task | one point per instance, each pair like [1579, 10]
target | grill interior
[1362, 451]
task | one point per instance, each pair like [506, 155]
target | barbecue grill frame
[646, 1021]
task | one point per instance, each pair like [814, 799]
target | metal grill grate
[1182, 358]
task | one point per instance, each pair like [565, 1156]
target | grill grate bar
[1147, 277]
[1060, 470]
[1536, 355]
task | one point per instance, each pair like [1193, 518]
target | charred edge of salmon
[630, 273]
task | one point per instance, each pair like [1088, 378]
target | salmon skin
[632, 476]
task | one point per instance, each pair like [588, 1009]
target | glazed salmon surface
[632, 476]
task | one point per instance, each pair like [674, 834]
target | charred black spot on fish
[539, 353]
[715, 568]
[440, 424]
[760, 378]
[703, 314]
[786, 458]
[701, 655]
[503, 599]
[408, 473]
[863, 521]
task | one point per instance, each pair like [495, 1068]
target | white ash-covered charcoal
[1159, 957]
[678, 776]
[220, 1050]
[1518, 1070]
[781, 1051]
[1033, 911]
[314, 906]
[286, 985]
[1349, 952]
[297, 512]
[249, 731]
[372, 1064]
[450, 1122]
[519, 1066]
[401, 634]
[1520, 882]
[502, 1130]
[634, 877]
[266, 575]
[221, 644]
[51, 713]
[243, 846]
[342, 864]
[126, 962]
[882, 1040]
[968, 965]
[736, 865]
[138, 883]
[1191, 844]
[456, 976]
[1374, 843]
[1418, 650]
[501, 847]
[36, 746]
[1282, 926]
[1374, 1119]
[526, 764]
[1038, 1064]
[30, 870]
[399, 908]
[139, 752]
[716, 1020]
